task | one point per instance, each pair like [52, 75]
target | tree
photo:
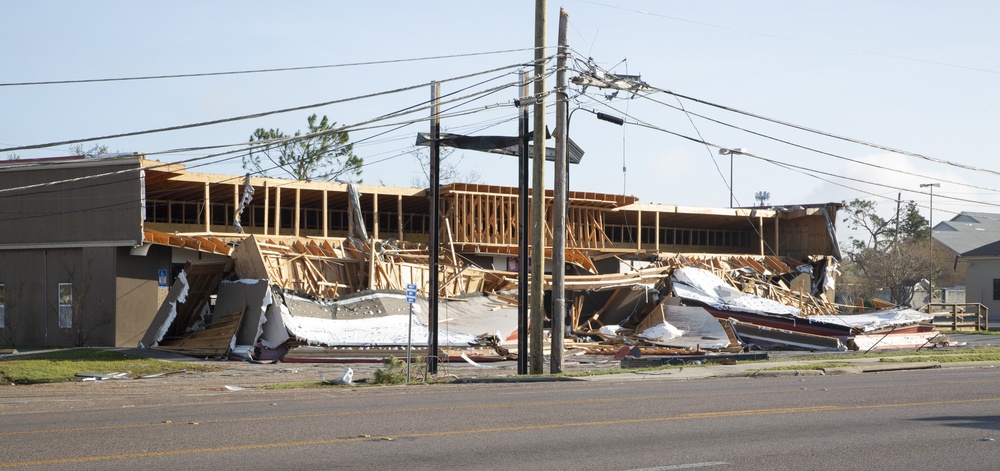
[860, 216]
[13, 156]
[322, 153]
[894, 256]
[95, 151]
[912, 225]
[898, 269]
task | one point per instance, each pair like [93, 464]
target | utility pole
[435, 246]
[930, 241]
[537, 312]
[522, 234]
[559, 206]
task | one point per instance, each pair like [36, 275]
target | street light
[731, 153]
[930, 242]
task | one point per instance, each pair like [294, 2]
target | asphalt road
[930, 419]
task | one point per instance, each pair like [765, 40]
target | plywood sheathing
[214, 341]
[323, 270]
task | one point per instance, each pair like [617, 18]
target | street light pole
[930, 241]
[732, 154]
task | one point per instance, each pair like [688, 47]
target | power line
[830, 135]
[811, 149]
[245, 147]
[251, 116]
[258, 71]
[786, 38]
[788, 165]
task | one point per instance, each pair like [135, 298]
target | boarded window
[65, 305]
[3, 308]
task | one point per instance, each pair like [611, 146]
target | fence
[956, 315]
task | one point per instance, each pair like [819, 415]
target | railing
[955, 315]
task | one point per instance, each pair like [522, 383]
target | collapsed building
[129, 251]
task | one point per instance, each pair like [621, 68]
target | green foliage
[394, 373]
[322, 153]
[63, 365]
[892, 256]
[913, 226]
[92, 152]
[953, 357]
[860, 215]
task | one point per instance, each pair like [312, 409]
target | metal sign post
[411, 297]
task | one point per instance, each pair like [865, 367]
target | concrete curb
[516, 379]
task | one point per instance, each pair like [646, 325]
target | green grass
[63, 365]
[911, 352]
[964, 356]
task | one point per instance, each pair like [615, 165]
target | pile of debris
[298, 300]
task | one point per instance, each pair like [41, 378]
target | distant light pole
[731, 153]
[930, 242]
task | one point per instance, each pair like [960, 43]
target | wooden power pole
[559, 206]
[537, 312]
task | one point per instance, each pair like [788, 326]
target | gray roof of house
[968, 231]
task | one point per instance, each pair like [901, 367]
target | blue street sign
[411, 293]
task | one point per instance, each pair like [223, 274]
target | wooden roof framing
[200, 243]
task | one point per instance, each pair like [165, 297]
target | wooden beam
[208, 209]
[236, 202]
[297, 218]
[277, 210]
[657, 237]
[375, 215]
[760, 227]
[350, 216]
[638, 231]
[399, 215]
[267, 196]
[776, 251]
[326, 214]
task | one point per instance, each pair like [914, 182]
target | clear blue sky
[919, 76]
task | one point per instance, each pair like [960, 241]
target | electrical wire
[258, 71]
[252, 116]
[832, 135]
[811, 149]
[801, 41]
[793, 166]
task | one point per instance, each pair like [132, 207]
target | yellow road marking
[446, 408]
[516, 428]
